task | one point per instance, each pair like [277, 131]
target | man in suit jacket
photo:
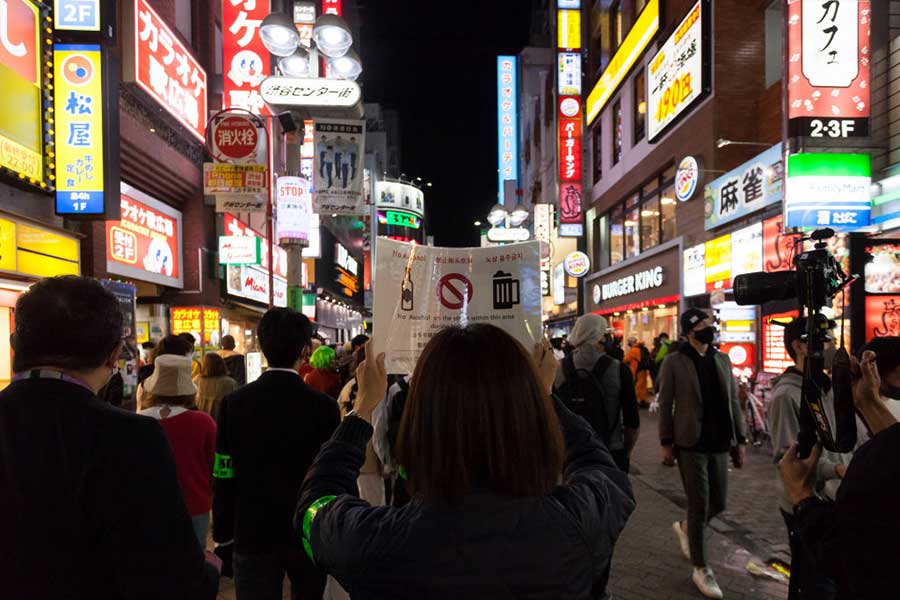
[269, 433]
[700, 422]
[90, 505]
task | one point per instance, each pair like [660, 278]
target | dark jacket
[681, 401]
[269, 434]
[89, 502]
[551, 547]
[855, 538]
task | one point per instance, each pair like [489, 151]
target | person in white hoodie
[807, 580]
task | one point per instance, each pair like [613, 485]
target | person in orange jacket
[634, 360]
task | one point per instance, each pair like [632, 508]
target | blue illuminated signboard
[507, 125]
[78, 111]
[77, 15]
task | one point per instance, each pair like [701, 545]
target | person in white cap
[191, 433]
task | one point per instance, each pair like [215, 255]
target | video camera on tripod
[816, 280]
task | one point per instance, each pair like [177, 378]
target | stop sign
[234, 138]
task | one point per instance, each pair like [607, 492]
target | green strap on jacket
[308, 519]
[223, 468]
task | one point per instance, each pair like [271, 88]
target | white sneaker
[682, 539]
[706, 582]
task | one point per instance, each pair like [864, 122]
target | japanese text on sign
[421, 290]
[144, 238]
[290, 91]
[200, 321]
[78, 107]
[746, 189]
[245, 59]
[223, 178]
[167, 71]
[507, 124]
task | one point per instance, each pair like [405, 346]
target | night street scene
[474, 300]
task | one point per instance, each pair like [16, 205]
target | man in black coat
[269, 433]
[90, 505]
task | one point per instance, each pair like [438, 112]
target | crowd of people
[354, 483]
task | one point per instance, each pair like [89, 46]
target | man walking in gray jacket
[808, 581]
[700, 423]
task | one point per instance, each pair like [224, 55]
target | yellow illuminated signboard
[21, 126]
[569, 25]
[7, 245]
[634, 45]
[78, 103]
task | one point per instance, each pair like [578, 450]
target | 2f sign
[77, 15]
[833, 128]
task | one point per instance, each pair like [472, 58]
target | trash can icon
[506, 291]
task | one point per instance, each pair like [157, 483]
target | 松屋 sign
[239, 250]
[507, 125]
[78, 108]
[828, 190]
[676, 75]
[421, 290]
[746, 189]
[829, 72]
[245, 60]
[167, 71]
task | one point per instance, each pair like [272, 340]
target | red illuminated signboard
[332, 7]
[167, 71]
[569, 124]
[570, 142]
[199, 321]
[245, 60]
[882, 316]
[775, 358]
[778, 247]
[144, 243]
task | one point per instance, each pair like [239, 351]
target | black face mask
[705, 335]
[891, 391]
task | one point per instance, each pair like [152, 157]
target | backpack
[583, 394]
[646, 362]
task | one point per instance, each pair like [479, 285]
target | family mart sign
[828, 190]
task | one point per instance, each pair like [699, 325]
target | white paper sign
[340, 152]
[421, 290]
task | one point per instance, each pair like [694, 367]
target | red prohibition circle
[454, 290]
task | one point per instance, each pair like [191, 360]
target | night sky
[435, 62]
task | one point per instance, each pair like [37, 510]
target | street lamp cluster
[331, 37]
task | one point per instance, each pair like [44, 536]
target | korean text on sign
[167, 71]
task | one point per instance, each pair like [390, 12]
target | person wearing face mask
[700, 424]
[90, 504]
[807, 581]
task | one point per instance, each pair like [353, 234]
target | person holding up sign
[483, 455]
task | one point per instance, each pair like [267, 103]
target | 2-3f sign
[835, 129]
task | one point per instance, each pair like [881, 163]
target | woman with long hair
[191, 433]
[513, 495]
[324, 376]
[213, 384]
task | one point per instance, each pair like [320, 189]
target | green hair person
[322, 358]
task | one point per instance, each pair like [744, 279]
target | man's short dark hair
[67, 322]
[359, 341]
[794, 330]
[148, 345]
[283, 334]
[176, 345]
[228, 342]
[188, 337]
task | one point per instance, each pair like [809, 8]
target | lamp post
[333, 41]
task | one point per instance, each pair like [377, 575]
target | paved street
[647, 563]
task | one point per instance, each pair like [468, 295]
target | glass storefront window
[616, 235]
[632, 227]
[667, 209]
[618, 140]
[650, 222]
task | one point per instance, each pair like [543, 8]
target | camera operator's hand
[798, 474]
[371, 378]
[547, 365]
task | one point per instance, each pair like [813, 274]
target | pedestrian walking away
[700, 424]
[269, 432]
[484, 522]
[90, 503]
[235, 362]
[213, 384]
[324, 376]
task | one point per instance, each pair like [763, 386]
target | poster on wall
[678, 75]
[829, 71]
[339, 152]
[421, 289]
[146, 243]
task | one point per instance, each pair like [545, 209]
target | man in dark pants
[269, 433]
[90, 505]
[700, 422]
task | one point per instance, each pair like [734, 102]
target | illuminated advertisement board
[146, 243]
[828, 75]
[252, 281]
[778, 247]
[694, 266]
[78, 108]
[76, 15]
[507, 125]
[569, 122]
[21, 134]
[165, 69]
[678, 74]
[775, 358]
[200, 321]
[718, 263]
[752, 186]
[828, 190]
[245, 59]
